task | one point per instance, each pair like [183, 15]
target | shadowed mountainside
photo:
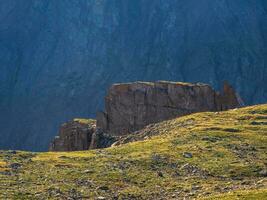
[58, 57]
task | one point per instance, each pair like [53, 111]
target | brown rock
[132, 106]
[74, 136]
[78, 135]
[129, 107]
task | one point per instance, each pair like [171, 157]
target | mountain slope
[58, 57]
[197, 156]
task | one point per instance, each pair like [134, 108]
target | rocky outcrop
[132, 106]
[80, 134]
[74, 136]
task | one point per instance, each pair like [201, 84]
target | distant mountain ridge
[57, 57]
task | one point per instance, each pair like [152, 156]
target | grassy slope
[229, 156]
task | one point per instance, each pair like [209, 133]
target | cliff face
[57, 57]
[132, 106]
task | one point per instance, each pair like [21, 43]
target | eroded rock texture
[73, 136]
[131, 106]
[78, 135]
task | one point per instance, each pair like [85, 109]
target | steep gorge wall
[58, 57]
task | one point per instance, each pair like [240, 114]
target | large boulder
[132, 106]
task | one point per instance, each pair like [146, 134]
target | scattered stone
[63, 157]
[193, 170]
[177, 173]
[246, 182]
[217, 188]
[196, 187]
[258, 123]
[233, 130]
[12, 152]
[173, 165]
[54, 192]
[237, 178]
[15, 166]
[88, 171]
[103, 188]
[84, 182]
[263, 173]
[159, 160]
[207, 193]
[122, 165]
[101, 198]
[74, 194]
[160, 174]
[211, 139]
[156, 158]
[187, 155]
[260, 181]
[6, 173]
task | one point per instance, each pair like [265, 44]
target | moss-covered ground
[220, 155]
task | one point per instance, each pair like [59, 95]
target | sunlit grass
[228, 154]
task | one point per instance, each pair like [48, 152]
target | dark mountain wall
[57, 58]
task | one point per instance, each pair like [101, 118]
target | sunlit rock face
[58, 57]
[131, 106]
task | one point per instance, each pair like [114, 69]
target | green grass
[229, 154]
[84, 121]
[244, 195]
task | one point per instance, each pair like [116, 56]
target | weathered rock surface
[78, 135]
[73, 136]
[132, 106]
[101, 140]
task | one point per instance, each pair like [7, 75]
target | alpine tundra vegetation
[209, 155]
[133, 99]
